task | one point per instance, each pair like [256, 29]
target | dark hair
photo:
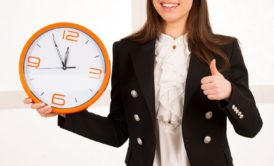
[201, 39]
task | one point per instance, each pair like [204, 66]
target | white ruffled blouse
[171, 66]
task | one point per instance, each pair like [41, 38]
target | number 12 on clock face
[66, 66]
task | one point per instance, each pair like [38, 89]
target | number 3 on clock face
[64, 65]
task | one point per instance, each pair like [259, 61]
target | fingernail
[42, 104]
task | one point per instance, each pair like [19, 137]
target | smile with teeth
[170, 5]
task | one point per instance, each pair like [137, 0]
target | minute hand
[69, 67]
[58, 51]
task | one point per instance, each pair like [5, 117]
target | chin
[170, 19]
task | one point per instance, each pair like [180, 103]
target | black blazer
[132, 108]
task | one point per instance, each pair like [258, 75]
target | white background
[28, 140]
[252, 22]
[110, 20]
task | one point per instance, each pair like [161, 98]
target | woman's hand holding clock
[41, 108]
[216, 87]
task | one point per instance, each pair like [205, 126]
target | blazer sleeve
[110, 130]
[241, 108]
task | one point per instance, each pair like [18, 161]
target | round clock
[66, 66]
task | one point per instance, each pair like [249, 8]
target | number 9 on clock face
[66, 66]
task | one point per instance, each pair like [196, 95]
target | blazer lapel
[143, 62]
[196, 71]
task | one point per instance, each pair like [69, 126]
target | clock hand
[58, 51]
[70, 67]
[66, 57]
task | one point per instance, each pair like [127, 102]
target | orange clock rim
[88, 32]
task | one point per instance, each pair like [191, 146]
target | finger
[50, 114]
[213, 68]
[210, 92]
[37, 105]
[49, 111]
[27, 101]
[208, 86]
[212, 97]
[43, 110]
[207, 79]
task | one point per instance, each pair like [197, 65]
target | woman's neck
[175, 29]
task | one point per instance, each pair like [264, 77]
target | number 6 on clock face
[58, 99]
[64, 65]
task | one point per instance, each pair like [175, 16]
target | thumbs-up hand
[216, 87]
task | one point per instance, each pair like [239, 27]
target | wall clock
[66, 66]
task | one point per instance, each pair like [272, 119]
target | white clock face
[64, 67]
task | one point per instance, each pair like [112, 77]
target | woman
[174, 84]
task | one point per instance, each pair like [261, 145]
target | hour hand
[58, 51]
[66, 57]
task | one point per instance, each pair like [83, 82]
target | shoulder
[126, 45]
[228, 44]
[122, 48]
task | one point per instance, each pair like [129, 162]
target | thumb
[213, 68]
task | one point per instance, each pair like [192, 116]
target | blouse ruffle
[173, 66]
